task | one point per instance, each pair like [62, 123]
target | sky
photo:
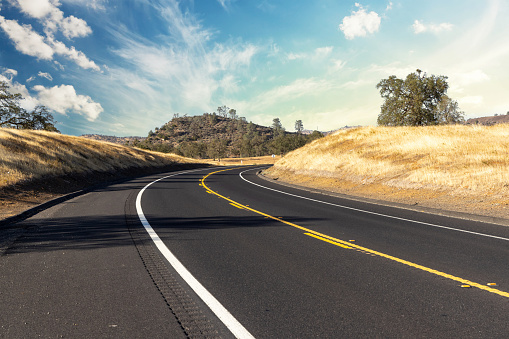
[125, 67]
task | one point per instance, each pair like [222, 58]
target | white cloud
[71, 53]
[94, 4]
[229, 84]
[63, 98]
[9, 72]
[419, 27]
[73, 27]
[360, 23]
[26, 40]
[45, 75]
[319, 53]
[337, 65]
[323, 52]
[225, 4]
[35, 8]
[28, 102]
[468, 78]
[187, 64]
[296, 56]
[48, 13]
[294, 90]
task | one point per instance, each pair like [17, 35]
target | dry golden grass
[262, 160]
[455, 160]
[29, 155]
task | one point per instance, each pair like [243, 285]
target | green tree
[223, 111]
[233, 113]
[447, 112]
[313, 136]
[277, 127]
[413, 101]
[216, 149]
[299, 127]
[12, 115]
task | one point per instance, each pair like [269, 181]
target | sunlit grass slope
[32, 155]
[459, 160]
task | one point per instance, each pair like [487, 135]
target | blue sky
[124, 67]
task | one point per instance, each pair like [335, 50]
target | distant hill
[113, 139]
[488, 121]
[215, 136]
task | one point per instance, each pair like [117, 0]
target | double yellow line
[350, 245]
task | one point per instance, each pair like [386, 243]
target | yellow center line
[236, 205]
[327, 240]
[346, 244]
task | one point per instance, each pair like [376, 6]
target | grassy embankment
[36, 165]
[461, 168]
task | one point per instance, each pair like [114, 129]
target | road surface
[270, 261]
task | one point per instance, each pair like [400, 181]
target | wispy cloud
[420, 27]
[319, 53]
[188, 63]
[45, 75]
[225, 4]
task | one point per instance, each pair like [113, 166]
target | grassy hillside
[35, 155]
[214, 136]
[408, 164]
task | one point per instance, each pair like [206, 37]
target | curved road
[276, 261]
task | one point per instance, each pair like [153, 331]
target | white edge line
[219, 310]
[369, 212]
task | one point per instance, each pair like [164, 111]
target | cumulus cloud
[63, 98]
[52, 18]
[26, 40]
[73, 27]
[360, 23]
[420, 27]
[29, 42]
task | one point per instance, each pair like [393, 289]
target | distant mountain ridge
[488, 121]
[113, 139]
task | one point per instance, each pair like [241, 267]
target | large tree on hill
[12, 115]
[416, 101]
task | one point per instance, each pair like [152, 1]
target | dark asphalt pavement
[86, 268]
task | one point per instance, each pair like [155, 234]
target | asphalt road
[281, 265]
